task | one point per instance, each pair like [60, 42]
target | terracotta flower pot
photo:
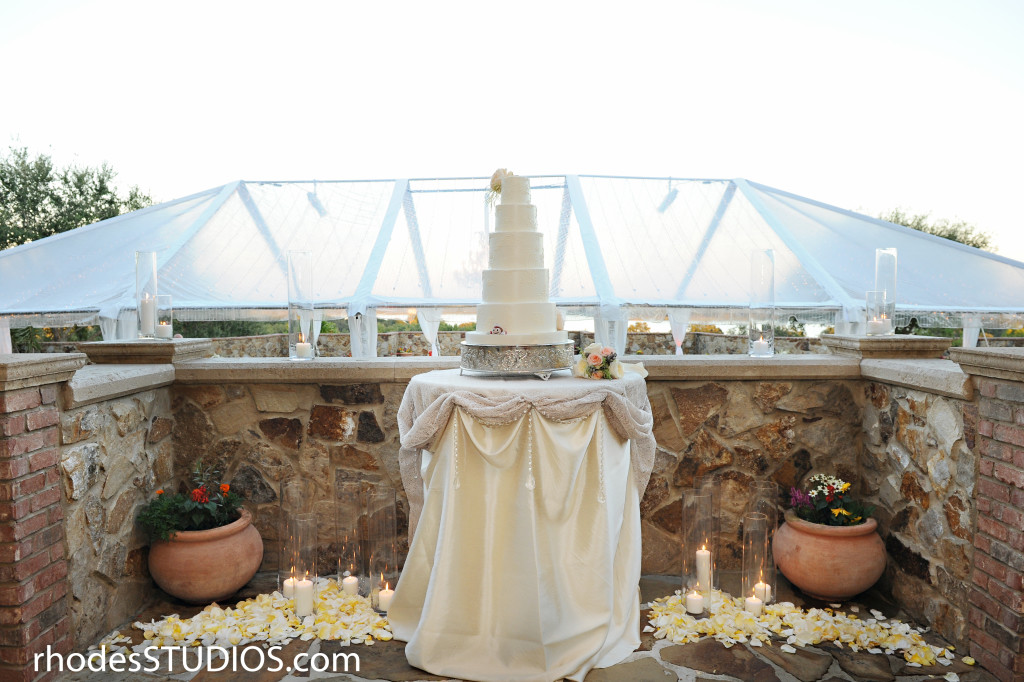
[201, 566]
[831, 563]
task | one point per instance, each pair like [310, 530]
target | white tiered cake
[517, 325]
[515, 285]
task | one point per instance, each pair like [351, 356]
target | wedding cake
[516, 311]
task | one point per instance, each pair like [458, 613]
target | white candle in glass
[695, 603]
[164, 331]
[384, 597]
[288, 588]
[879, 327]
[704, 569]
[304, 597]
[753, 605]
[302, 349]
[147, 315]
[761, 347]
[350, 585]
[763, 591]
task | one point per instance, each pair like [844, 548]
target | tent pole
[261, 225]
[417, 244]
[709, 233]
[811, 264]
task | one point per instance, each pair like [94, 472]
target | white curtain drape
[5, 336]
[362, 329]
[679, 321]
[972, 326]
[610, 326]
[430, 320]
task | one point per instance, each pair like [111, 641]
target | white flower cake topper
[495, 187]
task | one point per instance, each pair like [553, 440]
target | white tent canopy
[618, 248]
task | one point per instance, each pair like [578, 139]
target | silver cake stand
[504, 361]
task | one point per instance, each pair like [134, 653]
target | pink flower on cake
[595, 359]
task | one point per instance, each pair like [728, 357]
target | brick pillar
[997, 599]
[33, 568]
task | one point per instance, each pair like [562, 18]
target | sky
[867, 105]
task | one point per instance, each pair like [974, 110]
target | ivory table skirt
[525, 562]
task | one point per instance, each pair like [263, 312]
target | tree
[957, 230]
[38, 200]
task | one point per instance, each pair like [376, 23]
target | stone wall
[264, 434]
[743, 430]
[337, 345]
[114, 454]
[920, 463]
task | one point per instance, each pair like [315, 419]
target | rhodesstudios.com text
[193, 659]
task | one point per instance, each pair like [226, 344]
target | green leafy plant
[825, 502]
[208, 504]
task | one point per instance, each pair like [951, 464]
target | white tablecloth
[525, 562]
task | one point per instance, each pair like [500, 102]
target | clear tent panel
[933, 273]
[90, 267]
[439, 246]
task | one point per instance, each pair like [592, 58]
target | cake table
[525, 522]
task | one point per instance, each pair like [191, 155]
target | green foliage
[38, 200]
[30, 339]
[209, 504]
[385, 325]
[27, 339]
[216, 330]
[464, 327]
[957, 230]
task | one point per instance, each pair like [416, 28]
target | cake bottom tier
[517, 360]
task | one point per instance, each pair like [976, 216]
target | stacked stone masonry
[114, 455]
[997, 598]
[34, 610]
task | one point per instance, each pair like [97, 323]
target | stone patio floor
[654, 661]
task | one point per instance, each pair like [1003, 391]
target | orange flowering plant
[206, 504]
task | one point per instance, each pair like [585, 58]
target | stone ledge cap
[23, 370]
[998, 363]
[146, 351]
[744, 367]
[932, 375]
[894, 346]
[96, 383]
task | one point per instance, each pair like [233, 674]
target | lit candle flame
[301, 338]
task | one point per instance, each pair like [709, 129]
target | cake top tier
[515, 189]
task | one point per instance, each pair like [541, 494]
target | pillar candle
[288, 588]
[385, 597]
[753, 605]
[164, 331]
[304, 597]
[147, 315]
[694, 603]
[704, 569]
[763, 591]
[350, 585]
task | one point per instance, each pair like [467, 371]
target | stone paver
[711, 657]
[807, 664]
[864, 666]
[641, 670]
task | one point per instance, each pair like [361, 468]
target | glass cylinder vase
[350, 513]
[145, 292]
[764, 499]
[381, 535]
[301, 339]
[878, 314]
[301, 550]
[755, 591]
[697, 532]
[295, 498]
[761, 322]
[885, 278]
[164, 317]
